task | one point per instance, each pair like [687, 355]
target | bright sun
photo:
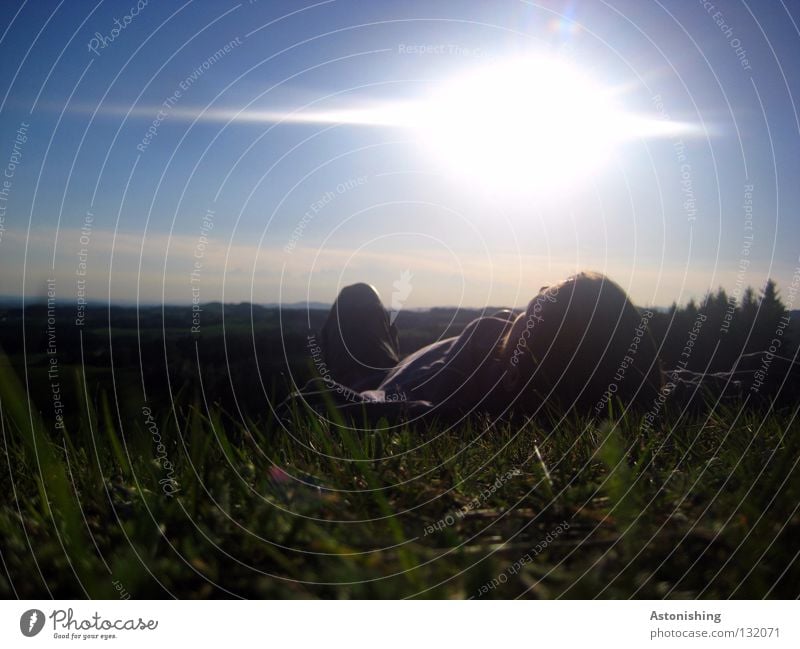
[533, 124]
[525, 124]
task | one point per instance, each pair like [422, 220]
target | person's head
[581, 343]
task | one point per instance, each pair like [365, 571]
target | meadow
[172, 477]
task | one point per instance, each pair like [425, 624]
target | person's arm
[460, 377]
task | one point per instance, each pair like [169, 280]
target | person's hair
[581, 344]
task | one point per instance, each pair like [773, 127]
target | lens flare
[528, 124]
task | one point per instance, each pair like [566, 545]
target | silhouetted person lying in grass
[580, 345]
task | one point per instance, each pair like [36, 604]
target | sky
[277, 151]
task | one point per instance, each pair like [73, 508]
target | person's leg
[761, 377]
[359, 343]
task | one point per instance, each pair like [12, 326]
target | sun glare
[533, 124]
[526, 124]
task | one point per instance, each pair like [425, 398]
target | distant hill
[297, 305]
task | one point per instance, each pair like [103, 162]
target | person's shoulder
[486, 331]
[488, 324]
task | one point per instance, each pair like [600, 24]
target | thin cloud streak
[410, 114]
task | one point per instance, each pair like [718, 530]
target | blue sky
[380, 202]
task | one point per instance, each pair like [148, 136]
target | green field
[190, 503]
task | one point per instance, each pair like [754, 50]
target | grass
[706, 506]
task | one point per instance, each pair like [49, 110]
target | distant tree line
[714, 334]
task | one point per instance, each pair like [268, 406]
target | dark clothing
[447, 378]
[452, 372]
[455, 376]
